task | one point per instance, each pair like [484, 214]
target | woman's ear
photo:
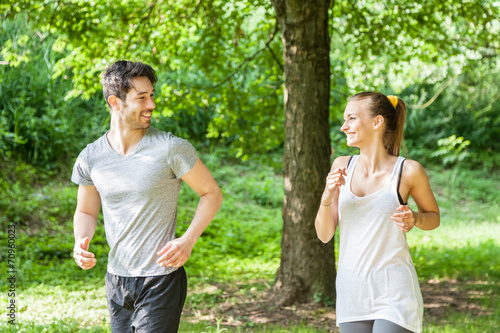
[378, 121]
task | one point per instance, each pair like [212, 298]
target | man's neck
[125, 140]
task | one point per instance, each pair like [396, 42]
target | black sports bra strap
[347, 166]
[399, 183]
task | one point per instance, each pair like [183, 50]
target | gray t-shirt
[139, 194]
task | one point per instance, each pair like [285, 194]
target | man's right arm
[85, 222]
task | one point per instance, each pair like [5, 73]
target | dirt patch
[442, 296]
[257, 307]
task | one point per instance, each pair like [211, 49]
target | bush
[39, 125]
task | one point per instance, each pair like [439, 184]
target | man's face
[139, 104]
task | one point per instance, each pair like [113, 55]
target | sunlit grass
[240, 251]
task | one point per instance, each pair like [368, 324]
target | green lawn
[236, 259]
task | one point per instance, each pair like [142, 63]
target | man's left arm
[199, 178]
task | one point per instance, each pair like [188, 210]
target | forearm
[426, 220]
[84, 225]
[327, 217]
[208, 206]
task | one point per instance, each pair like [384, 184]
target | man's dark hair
[117, 79]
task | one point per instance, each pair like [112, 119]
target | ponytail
[398, 133]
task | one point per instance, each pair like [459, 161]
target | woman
[366, 196]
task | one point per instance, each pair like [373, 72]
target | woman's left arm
[427, 217]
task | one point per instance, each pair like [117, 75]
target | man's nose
[151, 105]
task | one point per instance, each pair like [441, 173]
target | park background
[222, 83]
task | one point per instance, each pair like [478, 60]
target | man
[135, 171]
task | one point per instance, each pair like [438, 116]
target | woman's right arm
[327, 216]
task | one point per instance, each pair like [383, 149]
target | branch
[247, 60]
[198, 5]
[440, 90]
[275, 58]
[54, 13]
[276, 29]
[139, 25]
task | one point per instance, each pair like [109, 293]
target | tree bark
[307, 269]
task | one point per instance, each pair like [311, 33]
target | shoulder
[159, 134]
[94, 148]
[413, 171]
[166, 137]
[341, 162]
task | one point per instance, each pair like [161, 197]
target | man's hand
[84, 259]
[175, 253]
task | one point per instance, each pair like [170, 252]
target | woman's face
[359, 125]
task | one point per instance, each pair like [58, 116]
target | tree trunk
[307, 269]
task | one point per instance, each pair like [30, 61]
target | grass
[239, 252]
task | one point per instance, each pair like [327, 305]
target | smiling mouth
[147, 115]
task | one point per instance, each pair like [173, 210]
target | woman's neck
[375, 159]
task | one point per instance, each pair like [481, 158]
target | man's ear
[114, 102]
[378, 121]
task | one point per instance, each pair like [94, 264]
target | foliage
[197, 52]
[413, 50]
[221, 73]
[469, 107]
[38, 124]
[452, 150]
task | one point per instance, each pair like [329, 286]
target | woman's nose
[343, 128]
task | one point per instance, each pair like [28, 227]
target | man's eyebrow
[144, 92]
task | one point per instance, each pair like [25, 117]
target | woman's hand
[404, 218]
[334, 180]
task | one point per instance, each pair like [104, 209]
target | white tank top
[376, 278]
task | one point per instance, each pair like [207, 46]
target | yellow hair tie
[393, 100]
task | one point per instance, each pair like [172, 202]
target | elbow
[217, 197]
[220, 198]
[434, 222]
[438, 221]
[214, 196]
[323, 239]
[81, 214]
[323, 235]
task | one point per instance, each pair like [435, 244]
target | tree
[219, 57]
[307, 266]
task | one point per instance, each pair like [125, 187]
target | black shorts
[146, 304]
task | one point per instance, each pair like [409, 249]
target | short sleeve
[81, 170]
[183, 156]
